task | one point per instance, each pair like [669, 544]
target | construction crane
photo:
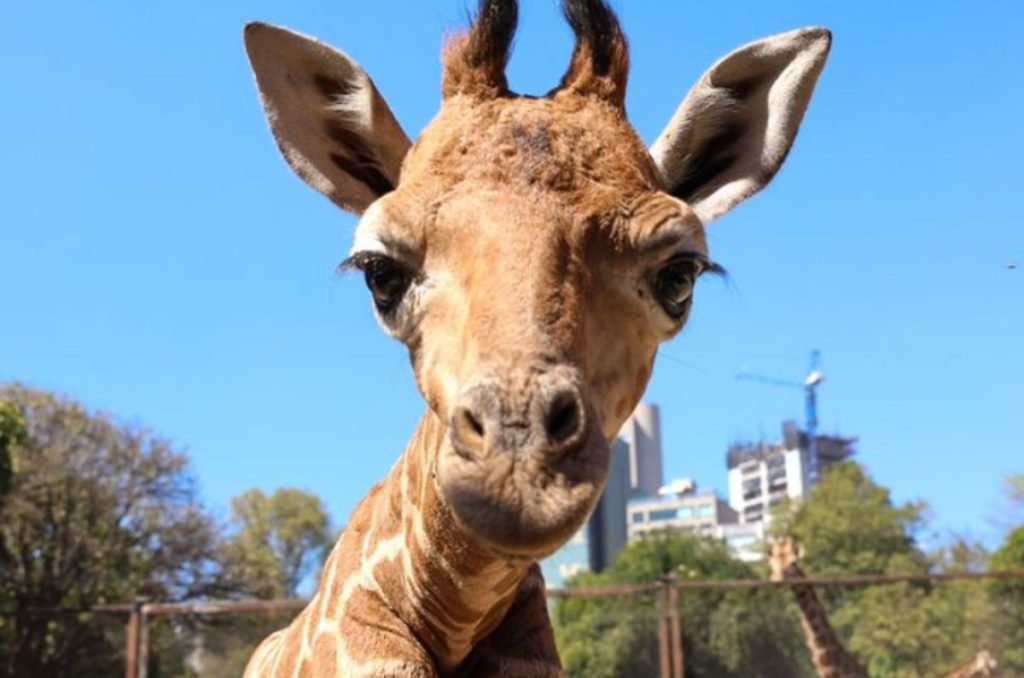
[809, 386]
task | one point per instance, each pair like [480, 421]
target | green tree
[1013, 491]
[279, 540]
[97, 512]
[734, 633]
[12, 432]
[850, 525]
[1007, 597]
[906, 630]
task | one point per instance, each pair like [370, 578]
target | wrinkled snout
[543, 415]
[526, 461]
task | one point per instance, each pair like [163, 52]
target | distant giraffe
[983, 665]
[532, 253]
[829, 656]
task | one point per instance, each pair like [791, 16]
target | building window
[753, 512]
[664, 514]
[638, 517]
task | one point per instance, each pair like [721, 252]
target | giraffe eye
[673, 284]
[387, 280]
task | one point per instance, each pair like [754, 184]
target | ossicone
[475, 61]
[600, 61]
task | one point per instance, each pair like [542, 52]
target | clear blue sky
[158, 259]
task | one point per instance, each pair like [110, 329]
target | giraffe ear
[333, 127]
[733, 131]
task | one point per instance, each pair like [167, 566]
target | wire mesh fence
[667, 628]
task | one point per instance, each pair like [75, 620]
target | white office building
[679, 506]
[763, 474]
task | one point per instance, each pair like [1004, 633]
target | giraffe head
[783, 558]
[532, 252]
[985, 664]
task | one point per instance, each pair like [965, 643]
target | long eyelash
[359, 261]
[713, 268]
[707, 265]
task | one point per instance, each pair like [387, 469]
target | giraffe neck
[414, 561]
[830, 658]
[979, 666]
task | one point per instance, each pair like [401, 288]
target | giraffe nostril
[473, 423]
[467, 431]
[563, 419]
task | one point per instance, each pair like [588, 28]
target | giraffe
[830, 658]
[982, 665]
[531, 253]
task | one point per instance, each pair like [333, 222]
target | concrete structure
[642, 434]
[679, 506]
[745, 540]
[601, 538]
[761, 475]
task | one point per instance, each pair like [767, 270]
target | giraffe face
[531, 252]
[532, 285]
[783, 558]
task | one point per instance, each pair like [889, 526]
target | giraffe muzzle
[549, 421]
[526, 460]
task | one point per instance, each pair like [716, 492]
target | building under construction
[762, 474]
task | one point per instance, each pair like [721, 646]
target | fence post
[144, 619]
[664, 653]
[677, 630]
[131, 650]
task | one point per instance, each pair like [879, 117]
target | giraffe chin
[524, 504]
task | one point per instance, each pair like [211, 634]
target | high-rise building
[601, 538]
[642, 434]
[679, 506]
[762, 474]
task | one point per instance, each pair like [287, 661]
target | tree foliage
[850, 525]
[279, 540]
[97, 512]
[1013, 491]
[12, 432]
[102, 512]
[1007, 598]
[734, 633]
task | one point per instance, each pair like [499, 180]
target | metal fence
[139, 616]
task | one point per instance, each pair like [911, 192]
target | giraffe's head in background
[532, 252]
[783, 558]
